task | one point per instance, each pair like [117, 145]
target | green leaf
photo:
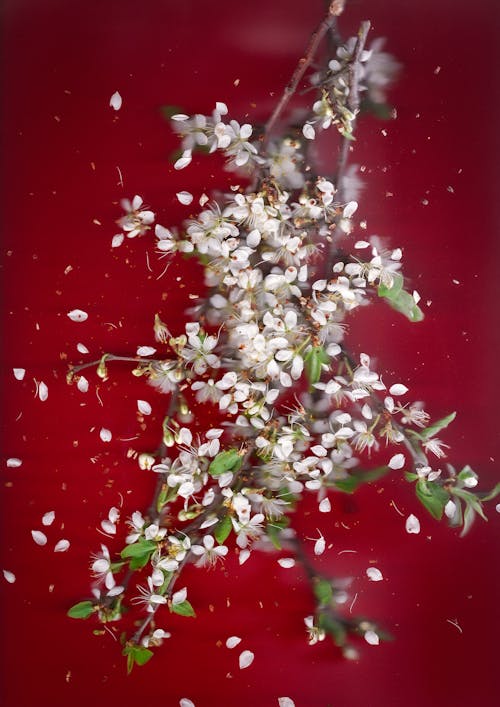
[223, 529]
[313, 363]
[400, 300]
[138, 549]
[352, 482]
[437, 426]
[410, 476]
[136, 654]
[168, 111]
[335, 628]
[82, 610]
[469, 517]
[491, 494]
[183, 609]
[432, 496]
[227, 460]
[323, 592]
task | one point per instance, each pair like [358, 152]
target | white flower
[315, 633]
[137, 221]
[149, 597]
[207, 553]
[101, 567]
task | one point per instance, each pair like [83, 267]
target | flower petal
[62, 545]
[246, 658]
[39, 537]
[115, 101]
[78, 315]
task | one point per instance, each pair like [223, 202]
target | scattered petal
[319, 545]
[14, 462]
[10, 577]
[105, 435]
[285, 702]
[39, 537]
[62, 545]
[233, 641]
[108, 527]
[48, 518]
[412, 524]
[145, 350]
[19, 373]
[82, 384]
[325, 506]
[82, 349]
[374, 574]
[350, 209]
[78, 315]
[115, 101]
[184, 160]
[144, 407]
[397, 461]
[43, 391]
[185, 702]
[398, 389]
[308, 131]
[184, 197]
[372, 638]
[245, 659]
[117, 240]
[286, 562]
[245, 554]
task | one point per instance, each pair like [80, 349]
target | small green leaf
[437, 426]
[432, 496]
[335, 628]
[323, 592]
[400, 300]
[138, 549]
[183, 609]
[314, 360]
[491, 494]
[136, 654]
[352, 482]
[227, 460]
[223, 529]
[82, 610]
[410, 476]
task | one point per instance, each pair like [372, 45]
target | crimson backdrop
[62, 145]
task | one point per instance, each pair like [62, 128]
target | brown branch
[335, 9]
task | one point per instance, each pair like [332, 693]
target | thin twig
[335, 9]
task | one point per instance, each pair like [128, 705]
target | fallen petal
[374, 574]
[10, 577]
[246, 658]
[48, 518]
[115, 101]
[62, 545]
[19, 373]
[412, 524]
[105, 435]
[39, 537]
[78, 315]
[14, 462]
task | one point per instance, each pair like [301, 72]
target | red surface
[63, 60]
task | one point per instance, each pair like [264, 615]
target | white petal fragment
[233, 641]
[450, 509]
[308, 131]
[19, 373]
[144, 407]
[115, 101]
[39, 537]
[184, 197]
[246, 658]
[397, 461]
[325, 506]
[350, 209]
[286, 562]
[43, 391]
[185, 702]
[372, 638]
[398, 389]
[48, 518]
[285, 702]
[78, 315]
[145, 350]
[62, 545]
[319, 545]
[374, 574]
[412, 524]
[117, 240]
[83, 384]
[14, 462]
[82, 349]
[10, 577]
[105, 435]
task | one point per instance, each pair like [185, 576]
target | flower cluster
[284, 270]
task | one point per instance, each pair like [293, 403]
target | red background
[61, 147]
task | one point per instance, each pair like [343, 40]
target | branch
[335, 9]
